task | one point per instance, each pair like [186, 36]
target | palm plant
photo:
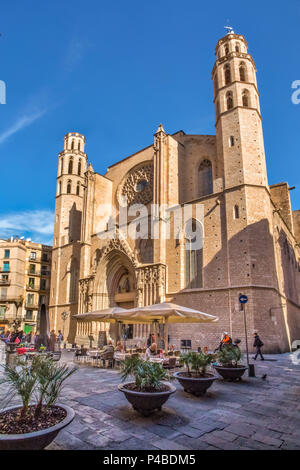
[20, 382]
[50, 378]
[229, 356]
[196, 363]
[148, 375]
[43, 378]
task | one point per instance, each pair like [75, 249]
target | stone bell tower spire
[238, 120]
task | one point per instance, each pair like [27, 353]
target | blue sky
[113, 71]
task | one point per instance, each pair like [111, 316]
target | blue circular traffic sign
[243, 299]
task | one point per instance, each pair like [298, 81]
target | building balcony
[39, 273]
[32, 287]
[4, 271]
[32, 306]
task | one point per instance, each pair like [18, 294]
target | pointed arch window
[229, 100]
[59, 188]
[78, 189]
[205, 179]
[237, 47]
[69, 187]
[227, 74]
[193, 254]
[70, 167]
[72, 145]
[79, 145]
[242, 70]
[246, 98]
[73, 280]
[79, 167]
[216, 84]
[62, 166]
[226, 49]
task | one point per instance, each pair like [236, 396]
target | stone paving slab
[253, 414]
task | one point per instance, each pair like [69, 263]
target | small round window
[140, 186]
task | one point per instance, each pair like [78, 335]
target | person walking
[258, 344]
[60, 338]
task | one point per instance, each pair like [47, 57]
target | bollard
[251, 370]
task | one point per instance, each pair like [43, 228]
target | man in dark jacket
[258, 344]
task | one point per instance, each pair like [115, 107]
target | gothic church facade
[251, 235]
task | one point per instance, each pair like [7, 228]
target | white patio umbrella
[166, 313]
[105, 315]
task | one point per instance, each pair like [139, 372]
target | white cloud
[20, 123]
[38, 225]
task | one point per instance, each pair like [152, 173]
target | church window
[79, 168]
[237, 47]
[226, 49]
[242, 70]
[216, 85]
[79, 145]
[78, 189]
[72, 145]
[227, 74]
[70, 168]
[62, 166]
[236, 212]
[69, 187]
[245, 98]
[231, 141]
[59, 188]
[73, 280]
[205, 180]
[193, 257]
[141, 185]
[229, 100]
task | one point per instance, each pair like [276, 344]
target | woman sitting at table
[119, 347]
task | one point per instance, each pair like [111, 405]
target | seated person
[153, 349]
[119, 347]
[108, 351]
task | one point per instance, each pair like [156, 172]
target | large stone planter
[36, 440]
[195, 385]
[231, 373]
[145, 402]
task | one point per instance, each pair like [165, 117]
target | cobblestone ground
[253, 414]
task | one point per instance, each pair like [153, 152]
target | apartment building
[25, 270]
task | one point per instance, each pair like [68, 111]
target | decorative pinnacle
[229, 29]
[160, 129]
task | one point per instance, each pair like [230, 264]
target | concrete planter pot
[147, 402]
[36, 440]
[231, 373]
[195, 385]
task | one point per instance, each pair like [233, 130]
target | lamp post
[64, 316]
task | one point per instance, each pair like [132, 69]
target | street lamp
[64, 316]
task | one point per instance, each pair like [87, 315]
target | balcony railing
[39, 273]
[32, 306]
[4, 282]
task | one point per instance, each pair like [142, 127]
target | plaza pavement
[252, 414]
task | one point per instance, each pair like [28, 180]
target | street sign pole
[246, 334]
[243, 300]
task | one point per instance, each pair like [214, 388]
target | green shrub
[229, 356]
[148, 375]
[196, 362]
